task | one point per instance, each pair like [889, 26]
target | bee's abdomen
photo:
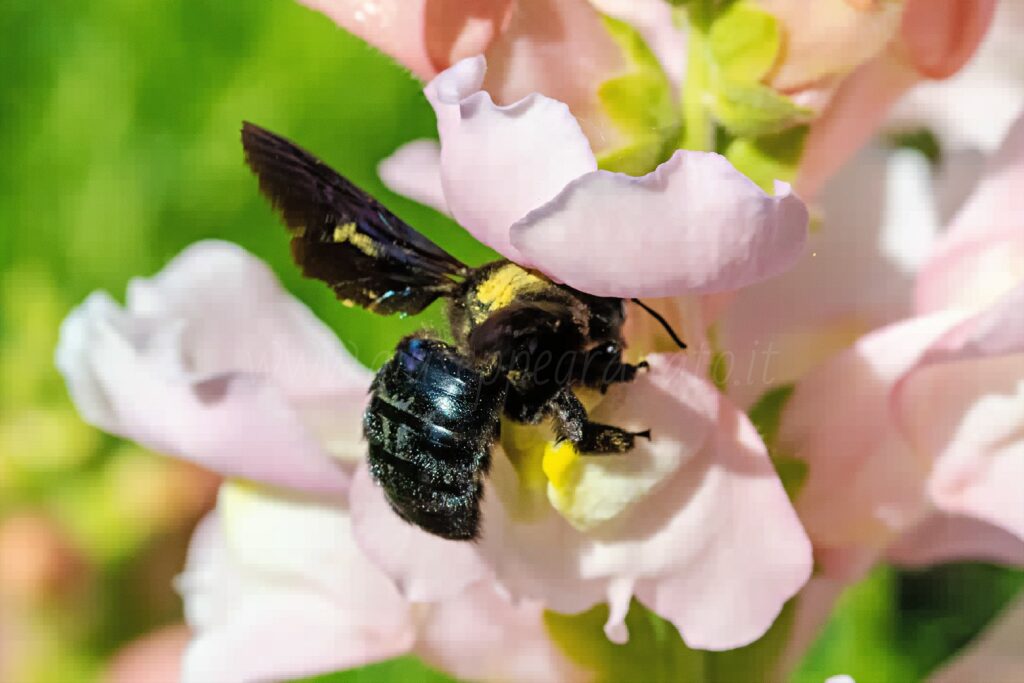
[430, 425]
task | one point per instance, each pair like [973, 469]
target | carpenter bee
[522, 343]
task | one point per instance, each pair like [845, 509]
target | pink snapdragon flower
[522, 178]
[927, 435]
[911, 433]
[211, 360]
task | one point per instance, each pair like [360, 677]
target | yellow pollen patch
[560, 464]
[501, 288]
[348, 232]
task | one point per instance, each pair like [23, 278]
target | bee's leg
[571, 424]
[602, 366]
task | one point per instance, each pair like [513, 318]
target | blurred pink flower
[153, 658]
[211, 360]
[877, 220]
[932, 408]
[935, 38]
[557, 47]
[279, 574]
[974, 108]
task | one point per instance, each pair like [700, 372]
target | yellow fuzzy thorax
[506, 283]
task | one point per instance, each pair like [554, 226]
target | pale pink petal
[982, 253]
[939, 36]
[694, 225]
[209, 361]
[278, 590]
[864, 482]
[968, 416]
[877, 221]
[943, 538]
[425, 568]
[853, 115]
[995, 656]
[480, 635]
[414, 170]
[498, 163]
[737, 549]
[425, 36]
[998, 330]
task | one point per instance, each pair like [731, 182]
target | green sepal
[744, 43]
[768, 158]
[753, 109]
[656, 653]
[407, 668]
[640, 104]
[766, 415]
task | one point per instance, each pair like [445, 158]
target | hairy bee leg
[571, 424]
[602, 366]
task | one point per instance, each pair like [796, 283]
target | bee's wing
[343, 236]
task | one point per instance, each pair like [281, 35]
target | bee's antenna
[664, 323]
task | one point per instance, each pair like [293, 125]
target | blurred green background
[119, 130]
[119, 127]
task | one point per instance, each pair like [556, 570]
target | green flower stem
[698, 126]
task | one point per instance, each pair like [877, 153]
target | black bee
[521, 342]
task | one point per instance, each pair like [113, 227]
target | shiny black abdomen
[430, 424]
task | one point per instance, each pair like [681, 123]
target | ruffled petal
[281, 577]
[498, 163]
[736, 550]
[414, 170]
[968, 415]
[943, 538]
[424, 567]
[480, 635]
[208, 361]
[694, 225]
[424, 36]
[864, 485]
[981, 255]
